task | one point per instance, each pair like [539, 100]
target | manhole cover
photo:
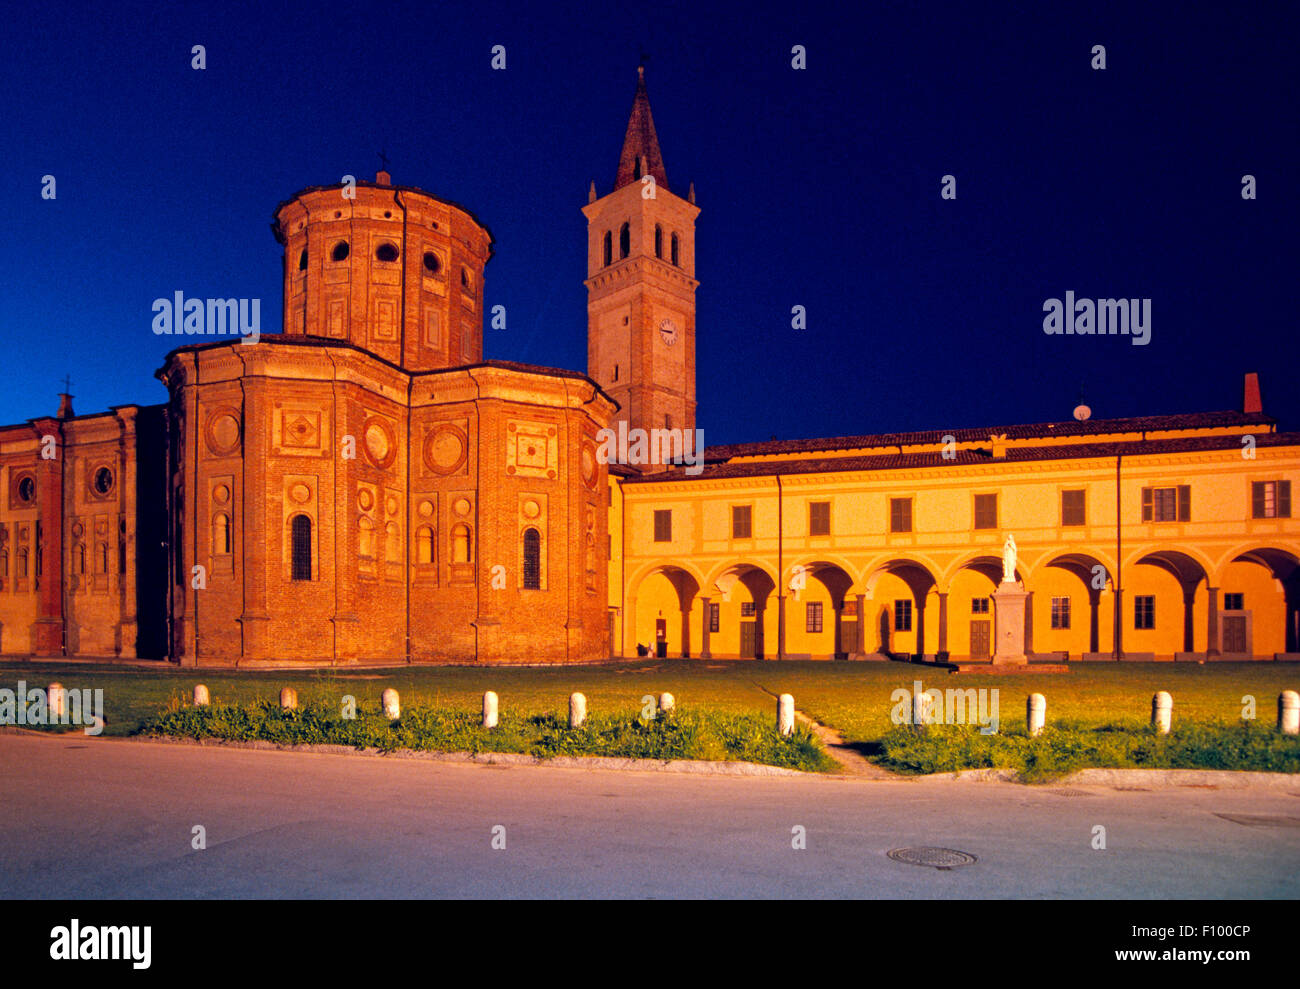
[1071, 793]
[1133, 789]
[936, 858]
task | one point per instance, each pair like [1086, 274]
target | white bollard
[489, 709]
[57, 698]
[288, 698]
[666, 703]
[577, 710]
[922, 709]
[1288, 712]
[1035, 714]
[201, 698]
[1162, 710]
[392, 704]
[785, 714]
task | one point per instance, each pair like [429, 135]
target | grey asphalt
[106, 818]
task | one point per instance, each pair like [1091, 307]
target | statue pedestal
[1009, 625]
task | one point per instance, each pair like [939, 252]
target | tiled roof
[935, 459]
[1092, 427]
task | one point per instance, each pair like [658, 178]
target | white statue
[1009, 560]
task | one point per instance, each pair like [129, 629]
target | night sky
[818, 188]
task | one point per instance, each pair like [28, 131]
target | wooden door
[979, 638]
[1234, 634]
[748, 640]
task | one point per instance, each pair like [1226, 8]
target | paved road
[106, 818]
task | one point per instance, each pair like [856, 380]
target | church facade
[364, 487]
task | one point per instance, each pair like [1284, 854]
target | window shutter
[1284, 499]
[1257, 499]
[1184, 503]
[1146, 505]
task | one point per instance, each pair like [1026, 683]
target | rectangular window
[979, 606]
[1144, 611]
[813, 621]
[609, 546]
[1072, 508]
[1060, 612]
[1234, 602]
[1167, 504]
[903, 615]
[741, 522]
[747, 609]
[715, 617]
[900, 514]
[1270, 499]
[986, 511]
[663, 525]
[819, 518]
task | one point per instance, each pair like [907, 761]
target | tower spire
[641, 154]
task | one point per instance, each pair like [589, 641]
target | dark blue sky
[817, 188]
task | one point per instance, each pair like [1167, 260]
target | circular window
[464, 278]
[302, 260]
[26, 490]
[340, 251]
[386, 252]
[388, 214]
[431, 263]
[103, 480]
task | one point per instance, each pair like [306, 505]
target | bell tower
[641, 285]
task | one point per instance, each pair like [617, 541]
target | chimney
[1251, 404]
[65, 406]
[383, 178]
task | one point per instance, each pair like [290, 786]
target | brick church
[364, 487]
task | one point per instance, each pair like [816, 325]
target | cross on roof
[383, 160]
[67, 385]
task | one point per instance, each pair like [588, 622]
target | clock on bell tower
[641, 286]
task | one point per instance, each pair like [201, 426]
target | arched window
[79, 558]
[659, 241]
[340, 252]
[676, 258]
[302, 260]
[431, 263]
[624, 241]
[532, 560]
[392, 543]
[366, 539]
[609, 248]
[22, 562]
[424, 544]
[301, 548]
[221, 534]
[460, 549]
[101, 558]
[386, 252]
[4, 563]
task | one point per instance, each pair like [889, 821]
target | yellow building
[1159, 537]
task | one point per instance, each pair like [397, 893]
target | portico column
[686, 631]
[919, 654]
[862, 624]
[780, 626]
[943, 626]
[1212, 632]
[1189, 619]
[706, 624]
[1029, 623]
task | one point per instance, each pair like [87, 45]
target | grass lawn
[851, 697]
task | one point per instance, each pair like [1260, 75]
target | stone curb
[1220, 778]
[689, 766]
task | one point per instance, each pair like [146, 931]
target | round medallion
[223, 432]
[78, 529]
[425, 509]
[391, 505]
[461, 506]
[445, 449]
[381, 448]
[532, 509]
[300, 493]
[221, 494]
[365, 500]
[587, 465]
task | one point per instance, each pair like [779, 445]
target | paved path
[109, 818]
